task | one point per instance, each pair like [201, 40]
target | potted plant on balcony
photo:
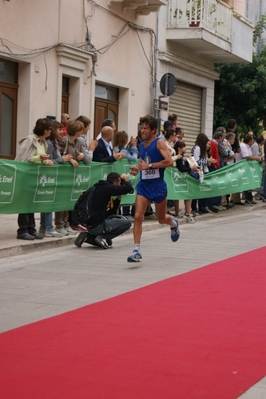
[194, 13]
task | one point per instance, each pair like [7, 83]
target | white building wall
[124, 61]
[255, 9]
[188, 67]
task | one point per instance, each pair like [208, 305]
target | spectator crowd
[54, 142]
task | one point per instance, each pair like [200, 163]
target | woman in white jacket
[33, 149]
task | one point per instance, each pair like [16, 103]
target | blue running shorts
[153, 191]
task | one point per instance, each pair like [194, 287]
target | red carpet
[198, 335]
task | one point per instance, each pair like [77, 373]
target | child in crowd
[183, 166]
[170, 139]
[201, 156]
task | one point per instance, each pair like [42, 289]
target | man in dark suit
[103, 152]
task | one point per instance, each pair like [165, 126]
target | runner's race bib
[150, 174]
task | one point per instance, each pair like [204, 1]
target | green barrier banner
[26, 187]
[240, 176]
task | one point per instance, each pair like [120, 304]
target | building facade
[105, 59]
[193, 36]
[74, 56]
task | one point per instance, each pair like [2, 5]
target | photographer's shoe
[109, 243]
[135, 257]
[80, 239]
[100, 241]
[79, 227]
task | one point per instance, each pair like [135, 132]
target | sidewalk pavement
[10, 245]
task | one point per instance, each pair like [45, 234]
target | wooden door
[104, 109]
[8, 120]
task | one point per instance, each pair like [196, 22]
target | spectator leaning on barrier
[256, 149]
[200, 153]
[76, 146]
[228, 142]
[184, 167]
[231, 128]
[110, 123]
[224, 151]
[33, 149]
[87, 123]
[104, 152]
[246, 153]
[214, 204]
[170, 138]
[53, 150]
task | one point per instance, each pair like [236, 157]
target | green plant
[196, 5]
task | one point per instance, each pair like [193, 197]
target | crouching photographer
[103, 223]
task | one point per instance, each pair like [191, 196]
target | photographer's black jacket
[101, 197]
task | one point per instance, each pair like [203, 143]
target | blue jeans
[111, 228]
[214, 201]
[202, 203]
[47, 221]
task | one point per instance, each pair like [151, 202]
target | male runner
[154, 158]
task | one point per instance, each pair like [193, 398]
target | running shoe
[175, 233]
[135, 257]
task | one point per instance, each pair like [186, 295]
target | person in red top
[214, 204]
[217, 139]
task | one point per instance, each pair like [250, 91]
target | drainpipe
[157, 114]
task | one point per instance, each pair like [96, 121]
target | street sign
[168, 84]
[161, 105]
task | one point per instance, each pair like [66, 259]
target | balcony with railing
[141, 7]
[210, 28]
